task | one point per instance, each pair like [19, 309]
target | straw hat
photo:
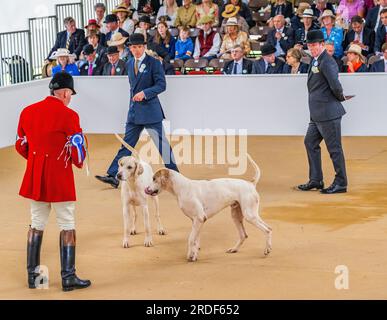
[308, 13]
[62, 52]
[327, 13]
[232, 22]
[230, 11]
[356, 49]
[117, 40]
[205, 19]
[121, 8]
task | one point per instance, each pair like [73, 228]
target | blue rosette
[78, 140]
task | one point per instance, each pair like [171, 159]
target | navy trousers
[132, 135]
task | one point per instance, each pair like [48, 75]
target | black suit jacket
[77, 41]
[259, 67]
[378, 66]
[97, 69]
[303, 68]
[372, 17]
[286, 42]
[286, 10]
[380, 38]
[247, 67]
[317, 13]
[122, 31]
[368, 40]
[299, 35]
[121, 69]
[325, 90]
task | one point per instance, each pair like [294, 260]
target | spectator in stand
[169, 70]
[164, 39]
[283, 8]
[72, 39]
[244, 11]
[368, 5]
[381, 34]
[119, 41]
[168, 13]
[186, 15]
[133, 12]
[115, 66]
[148, 7]
[330, 49]
[373, 16]
[65, 61]
[124, 21]
[296, 21]
[238, 64]
[381, 65]
[361, 36]
[293, 62]
[320, 6]
[207, 44]
[233, 37]
[347, 9]
[331, 33]
[144, 26]
[355, 60]
[93, 26]
[94, 40]
[232, 11]
[111, 21]
[307, 25]
[100, 10]
[208, 8]
[269, 63]
[281, 37]
[93, 65]
[184, 46]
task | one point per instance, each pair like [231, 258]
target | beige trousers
[65, 214]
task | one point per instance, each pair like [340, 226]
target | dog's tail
[257, 175]
[127, 146]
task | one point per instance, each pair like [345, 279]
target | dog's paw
[267, 251]
[125, 243]
[192, 257]
[133, 232]
[162, 232]
[148, 242]
[232, 250]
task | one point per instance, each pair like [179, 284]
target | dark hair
[94, 33]
[383, 11]
[357, 19]
[99, 5]
[158, 39]
[384, 47]
[68, 20]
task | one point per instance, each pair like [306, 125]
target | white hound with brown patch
[202, 199]
[135, 175]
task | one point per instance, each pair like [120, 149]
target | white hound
[202, 199]
[135, 175]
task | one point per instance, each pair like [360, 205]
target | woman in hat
[93, 26]
[231, 11]
[293, 62]
[144, 25]
[124, 20]
[119, 41]
[350, 8]
[168, 12]
[296, 21]
[244, 11]
[308, 24]
[208, 8]
[233, 37]
[164, 39]
[63, 58]
[355, 62]
[331, 33]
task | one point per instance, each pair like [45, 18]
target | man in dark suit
[361, 36]
[147, 81]
[115, 66]
[326, 110]
[281, 37]
[381, 34]
[380, 65]
[320, 6]
[72, 39]
[373, 16]
[239, 65]
[111, 21]
[93, 65]
[269, 63]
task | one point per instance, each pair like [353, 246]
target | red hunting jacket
[44, 129]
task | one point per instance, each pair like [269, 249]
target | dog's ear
[164, 177]
[139, 169]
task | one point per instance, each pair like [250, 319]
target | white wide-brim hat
[62, 52]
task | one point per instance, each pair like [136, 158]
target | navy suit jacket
[325, 90]
[378, 66]
[380, 38]
[303, 68]
[372, 17]
[151, 80]
[368, 40]
[286, 42]
[121, 69]
[247, 67]
[287, 10]
[259, 67]
[97, 69]
[77, 41]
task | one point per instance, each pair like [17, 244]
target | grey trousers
[330, 132]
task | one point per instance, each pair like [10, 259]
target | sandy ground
[313, 233]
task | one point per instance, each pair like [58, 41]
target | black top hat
[145, 19]
[267, 49]
[314, 36]
[62, 80]
[111, 18]
[112, 50]
[88, 49]
[137, 38]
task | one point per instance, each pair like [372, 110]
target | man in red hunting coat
[51, 139]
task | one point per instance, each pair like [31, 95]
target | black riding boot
[34, 243]
[70, 281]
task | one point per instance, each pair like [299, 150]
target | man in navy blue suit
[381, 34]
[380, 65]
[147, 81]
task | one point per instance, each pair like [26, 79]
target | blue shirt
[184, 47]
[336, 37]
[70, 68]
[170, 47]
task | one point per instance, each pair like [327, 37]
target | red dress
[47, 126]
